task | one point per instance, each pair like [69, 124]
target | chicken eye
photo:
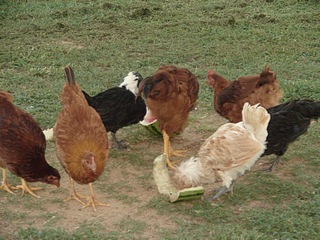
[51, 178]
[156, 93]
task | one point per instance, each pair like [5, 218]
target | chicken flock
[258, 125]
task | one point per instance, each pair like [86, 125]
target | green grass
[103, 41]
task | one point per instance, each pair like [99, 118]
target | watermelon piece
[162, 179]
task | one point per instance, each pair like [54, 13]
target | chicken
[120, 106]
[229, 96]
[81, 140]
[227, 154]
[288, 121]
[170, 94]
[22, 148]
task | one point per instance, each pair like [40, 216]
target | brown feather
[230, 96]
[22, 144]
[78, 131]
[170, 94]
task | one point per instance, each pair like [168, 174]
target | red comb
[211, 72]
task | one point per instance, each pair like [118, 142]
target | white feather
[130, 82]
[48, 133]
[228, 153]
[256, 120]
[188, 173]
[229, 176]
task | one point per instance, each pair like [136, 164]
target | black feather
[289, 121]
[117, 107]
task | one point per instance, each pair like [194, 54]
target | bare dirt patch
[126, 185]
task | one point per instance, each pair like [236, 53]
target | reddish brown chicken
[230, 96]
[170, 94]
[81, 140]
[22, 148]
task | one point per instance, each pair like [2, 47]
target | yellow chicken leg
[5, 185]
[73, 195]
[25, 188]
[92, 200]
[168, 150]
[176, 153]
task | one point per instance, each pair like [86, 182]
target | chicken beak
[56, 182]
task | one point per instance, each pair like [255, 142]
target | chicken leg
[73, 195]
[221, 191]
[168, 151]
[92, 200]
[5, 185]
[25, 188]
[274, 163]
[119, 144]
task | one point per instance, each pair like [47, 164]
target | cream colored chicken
[227, 154]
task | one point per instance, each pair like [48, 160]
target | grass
[103, 40]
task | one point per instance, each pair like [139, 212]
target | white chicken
[227, 154]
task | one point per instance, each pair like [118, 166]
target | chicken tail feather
[71, 89]
[69, 75]
[267, 77]
[188, 173]
[256, 118]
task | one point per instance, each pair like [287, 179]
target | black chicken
[119, 106]
[288, 121]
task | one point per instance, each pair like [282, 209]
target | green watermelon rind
[152, 127]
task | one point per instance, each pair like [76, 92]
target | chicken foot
[177, 153]
[5, 185]
[92, 200]
[73, 194]
[274, 163]
[25, 188]
[168, 151]
[119, 144]
[221, 191]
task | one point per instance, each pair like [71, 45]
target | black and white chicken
[120, 106]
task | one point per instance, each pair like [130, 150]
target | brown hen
[81, 140]
[22, 148]
[170, 94]
[230, 96]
